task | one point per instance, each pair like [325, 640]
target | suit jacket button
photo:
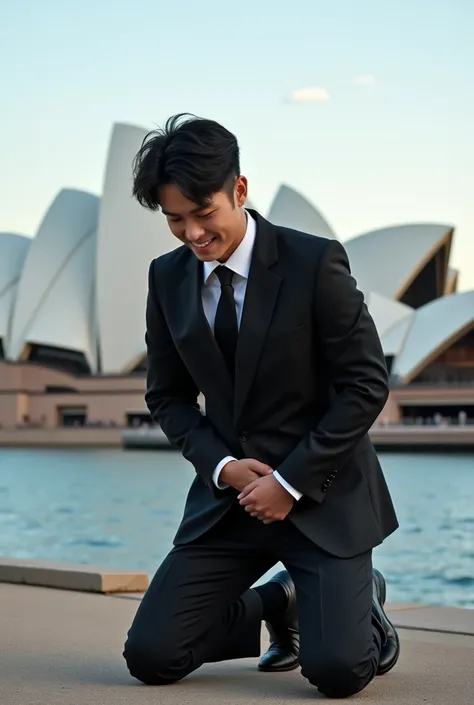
[243, 436]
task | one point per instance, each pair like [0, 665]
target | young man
[269, 325]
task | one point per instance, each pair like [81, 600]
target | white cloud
[310, 95]
[366, 80]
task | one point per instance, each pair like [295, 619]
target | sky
[364, 106]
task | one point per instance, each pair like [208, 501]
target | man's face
[213, 232]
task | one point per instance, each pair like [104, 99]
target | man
[267, 323]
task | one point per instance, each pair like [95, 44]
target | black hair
[198, 156]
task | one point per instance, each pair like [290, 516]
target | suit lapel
[261, 295]
[197, 333]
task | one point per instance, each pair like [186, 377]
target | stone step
[72, 576]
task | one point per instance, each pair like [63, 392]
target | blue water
[121, 508]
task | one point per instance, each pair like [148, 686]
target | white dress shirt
[239, 263]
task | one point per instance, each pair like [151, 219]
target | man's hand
[266, 499]
[241, 473]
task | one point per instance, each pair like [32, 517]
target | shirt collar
[239, 261]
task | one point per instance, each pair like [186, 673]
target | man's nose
[194, 231]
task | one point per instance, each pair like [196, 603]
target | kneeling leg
[340, 648]
[198, 609]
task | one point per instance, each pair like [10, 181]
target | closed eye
[178, 218]
[203, 216]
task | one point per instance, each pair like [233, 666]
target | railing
[435, 384]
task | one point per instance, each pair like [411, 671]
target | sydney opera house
[72, 304]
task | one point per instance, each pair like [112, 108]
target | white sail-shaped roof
[129, 238]
[393, 338]
[54, 300]
[292, 210]
[13, 251]
[433, 328]
[387, 260]
[386, 312]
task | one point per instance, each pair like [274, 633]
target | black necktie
[225, 326]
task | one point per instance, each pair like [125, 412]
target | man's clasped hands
[260, 493]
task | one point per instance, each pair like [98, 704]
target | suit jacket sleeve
[355, 362]
[172, 396]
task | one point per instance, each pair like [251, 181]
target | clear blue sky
[399, 149]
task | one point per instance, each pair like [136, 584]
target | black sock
[274, 601]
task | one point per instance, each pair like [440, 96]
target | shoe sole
[388, 667]
[382, 588]
[279, 670]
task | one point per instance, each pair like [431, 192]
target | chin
[209, 254]
[205, 258]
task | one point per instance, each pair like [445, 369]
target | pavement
[63, 647]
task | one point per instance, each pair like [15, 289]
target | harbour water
[121, 508]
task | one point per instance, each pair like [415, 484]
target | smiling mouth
[202, 245]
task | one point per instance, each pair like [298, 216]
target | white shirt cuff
[295, 493]
[217, 472]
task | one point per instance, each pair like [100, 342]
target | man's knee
[337, 676]
[157, 663]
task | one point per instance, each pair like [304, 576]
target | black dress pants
[199, 607]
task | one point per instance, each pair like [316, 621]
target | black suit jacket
[310, 382]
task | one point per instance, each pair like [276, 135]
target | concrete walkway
[61, 647]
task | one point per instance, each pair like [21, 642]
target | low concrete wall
[423, 437]
[71, 576]
[58, 437]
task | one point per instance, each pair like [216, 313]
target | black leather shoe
[283, 653]
[390, 642]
